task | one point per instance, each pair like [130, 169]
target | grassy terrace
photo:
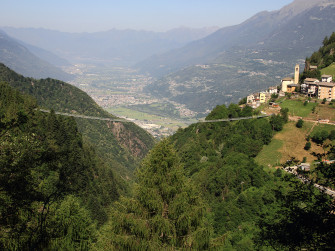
[270, 154]
[322, 127]
[290, 143]
[297, 108]
[291, 140]
[330, 70]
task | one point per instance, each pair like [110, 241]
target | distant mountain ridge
[248, 34]
[22, 60]
[235, 61]
[46, 55]
[116, 47]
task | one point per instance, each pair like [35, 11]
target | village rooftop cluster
[311, 87]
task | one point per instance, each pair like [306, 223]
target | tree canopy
[166, 211]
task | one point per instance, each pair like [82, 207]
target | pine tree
[165, 213]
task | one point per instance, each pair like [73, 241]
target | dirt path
[310, 131]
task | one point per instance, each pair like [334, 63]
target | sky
[153, 15]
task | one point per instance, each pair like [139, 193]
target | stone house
[273, 90]
[327, 78]
[262, 97]
[304, 86]
[285, 82]
[326, 90]
[250, 98]
[291, 88]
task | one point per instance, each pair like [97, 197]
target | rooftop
[326, 84]
[326, 76]
[309, 80]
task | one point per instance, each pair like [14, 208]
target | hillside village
[299, 91]
[310, 87]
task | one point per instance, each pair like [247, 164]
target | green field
[269, 154]
[321, 127]
[297, 108]
[159, 109]
[143, 116]
[330, 70]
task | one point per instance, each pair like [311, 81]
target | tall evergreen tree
[165, 213]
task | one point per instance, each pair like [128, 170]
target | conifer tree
[165, 213]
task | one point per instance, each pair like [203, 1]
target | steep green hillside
[54, 190]
[245, 198]
[219, 159]
[330, 70]
[323, 59]
[121, 145]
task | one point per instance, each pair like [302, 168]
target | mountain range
[264, 30]
[234, 61]
[27, 60]
[112, 47]
[199, 68]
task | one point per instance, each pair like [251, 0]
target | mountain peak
[296, 7]
[299, 6]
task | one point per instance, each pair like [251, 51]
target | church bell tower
[296, 74]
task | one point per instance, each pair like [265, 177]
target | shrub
[300, 123]
[277, 122]
[319, 137]
[308, 146]
[332, 135]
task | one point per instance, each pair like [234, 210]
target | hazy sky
[157, 15]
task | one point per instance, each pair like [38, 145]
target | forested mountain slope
[201, 189]
[120, 144]
[54, 190]
[246, 199]
[322, 58]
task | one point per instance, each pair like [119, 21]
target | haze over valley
[167, 79]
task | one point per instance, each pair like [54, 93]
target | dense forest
[200, 189]
[54, 190]
[252, 208]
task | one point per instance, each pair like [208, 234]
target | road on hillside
[307, 181]
[124, 120]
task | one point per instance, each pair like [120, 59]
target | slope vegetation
[120, 144]
[54, 190]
